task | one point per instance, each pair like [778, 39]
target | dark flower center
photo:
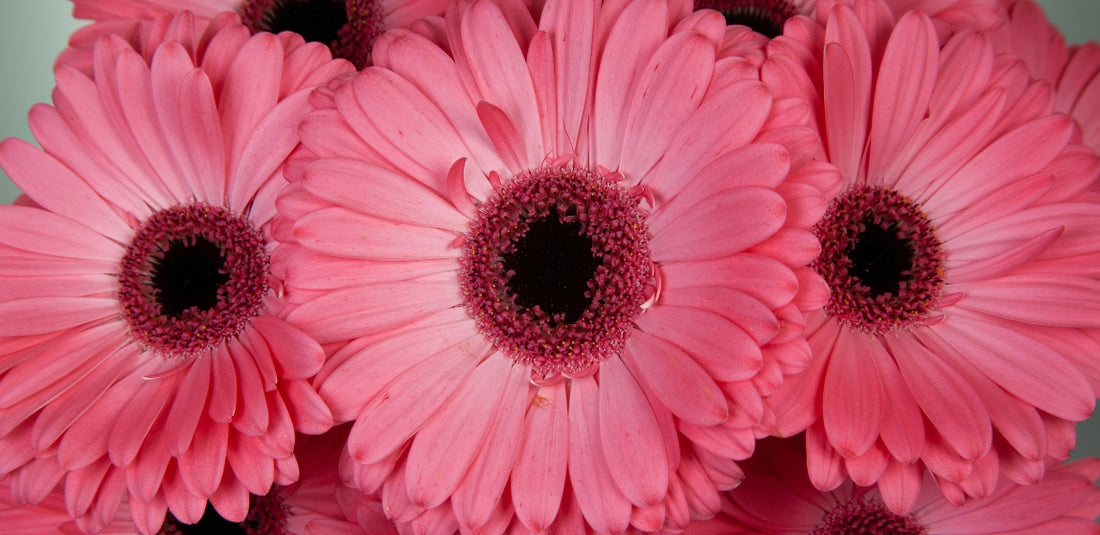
[762, 16]
[881, 259]
[192, 277]
[347, 27]
[555, 269]
[867, 517]
[551, 266]
[267, 515]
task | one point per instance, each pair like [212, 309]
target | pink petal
[403, 406]
[1021, 365]
[902, 425]
[345, 314]
[130, 427]
[847, 91]
[949, 403]
[1057, 300]
[629, 433]
[570, 26]
[725, 223]
[744, 310]
[343, 233]
[296, 353]
[721, 348]
[504, 135]
[447, 444]
[308, 411]
[202, 465]
[851, 396]
[539, 473]
[188, 405]
[603, 504]
[759, 276]
[676, 379]
[477, 499]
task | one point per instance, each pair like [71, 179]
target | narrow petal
[851, 396]
[538, 477]
[604, 507]
[676, 379]
[629, 433]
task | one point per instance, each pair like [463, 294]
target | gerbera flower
[1074, 71]
[347, 27]
[143, 349]
[955, 334]
[566, 273]
[776, 499]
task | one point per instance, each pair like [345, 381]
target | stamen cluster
[867, 517]
[881, 259]
[564, 200]
[233, 263]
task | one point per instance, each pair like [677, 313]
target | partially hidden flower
[144, 353]
[960, 331]
[347, 27]
[568, 260]
[778, 499]
[1073, 70]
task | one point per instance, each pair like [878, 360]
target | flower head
[568, 260]
[144, 351]
[347, 27]
[776, 498]
[959, 328]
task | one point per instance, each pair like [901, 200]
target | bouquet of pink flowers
[554, 267]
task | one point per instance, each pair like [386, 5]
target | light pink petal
[477, 499]
[189, 404]
[902, 425]
[223, 395]
[202, 465]
[757, 164]
[1021, 365]
[129, 429]
[725, 223]
[251, 417]
[847, 91]
[447, 444]
[628, 430]
[865, 469]
[504, 136]
[539, 473]
[249, 464]
[949, 403]
[404, 405]
[231, 499]
[202, 141]
[719, 346]
[824, 465]
[58, 189]
[307, 409]
[851, 396]
[540, 62]
[354, 373]
[1063, 300]
[762, 277]
[249, 92]
[501, 74]
[38, 231]
[602, 503]
[668, 92]
[900, 485]
[297, 355]
[346, 314]
[676, 379]
[754, 317]
[905, 80]
[344, 233]
[570, 26]
[631, 42]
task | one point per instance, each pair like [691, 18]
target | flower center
[192, 277]
[267, 515]
[762, 16]
[881, 259]
[555, 269]
[347, 27]
[865, 517]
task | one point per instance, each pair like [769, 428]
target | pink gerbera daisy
[959, 328]
[778, 499]
[347, 27]
[566, 271]
[143, 350]
[1074, 71]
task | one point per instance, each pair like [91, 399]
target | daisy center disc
[881, 259]
[859, 517]
[192, 277]
[347, 27]
[555, 269]
[762, 16]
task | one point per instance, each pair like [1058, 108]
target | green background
[33, 32]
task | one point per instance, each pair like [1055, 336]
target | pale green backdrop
[32, 32]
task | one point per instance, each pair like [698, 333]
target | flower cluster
[555, 267]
